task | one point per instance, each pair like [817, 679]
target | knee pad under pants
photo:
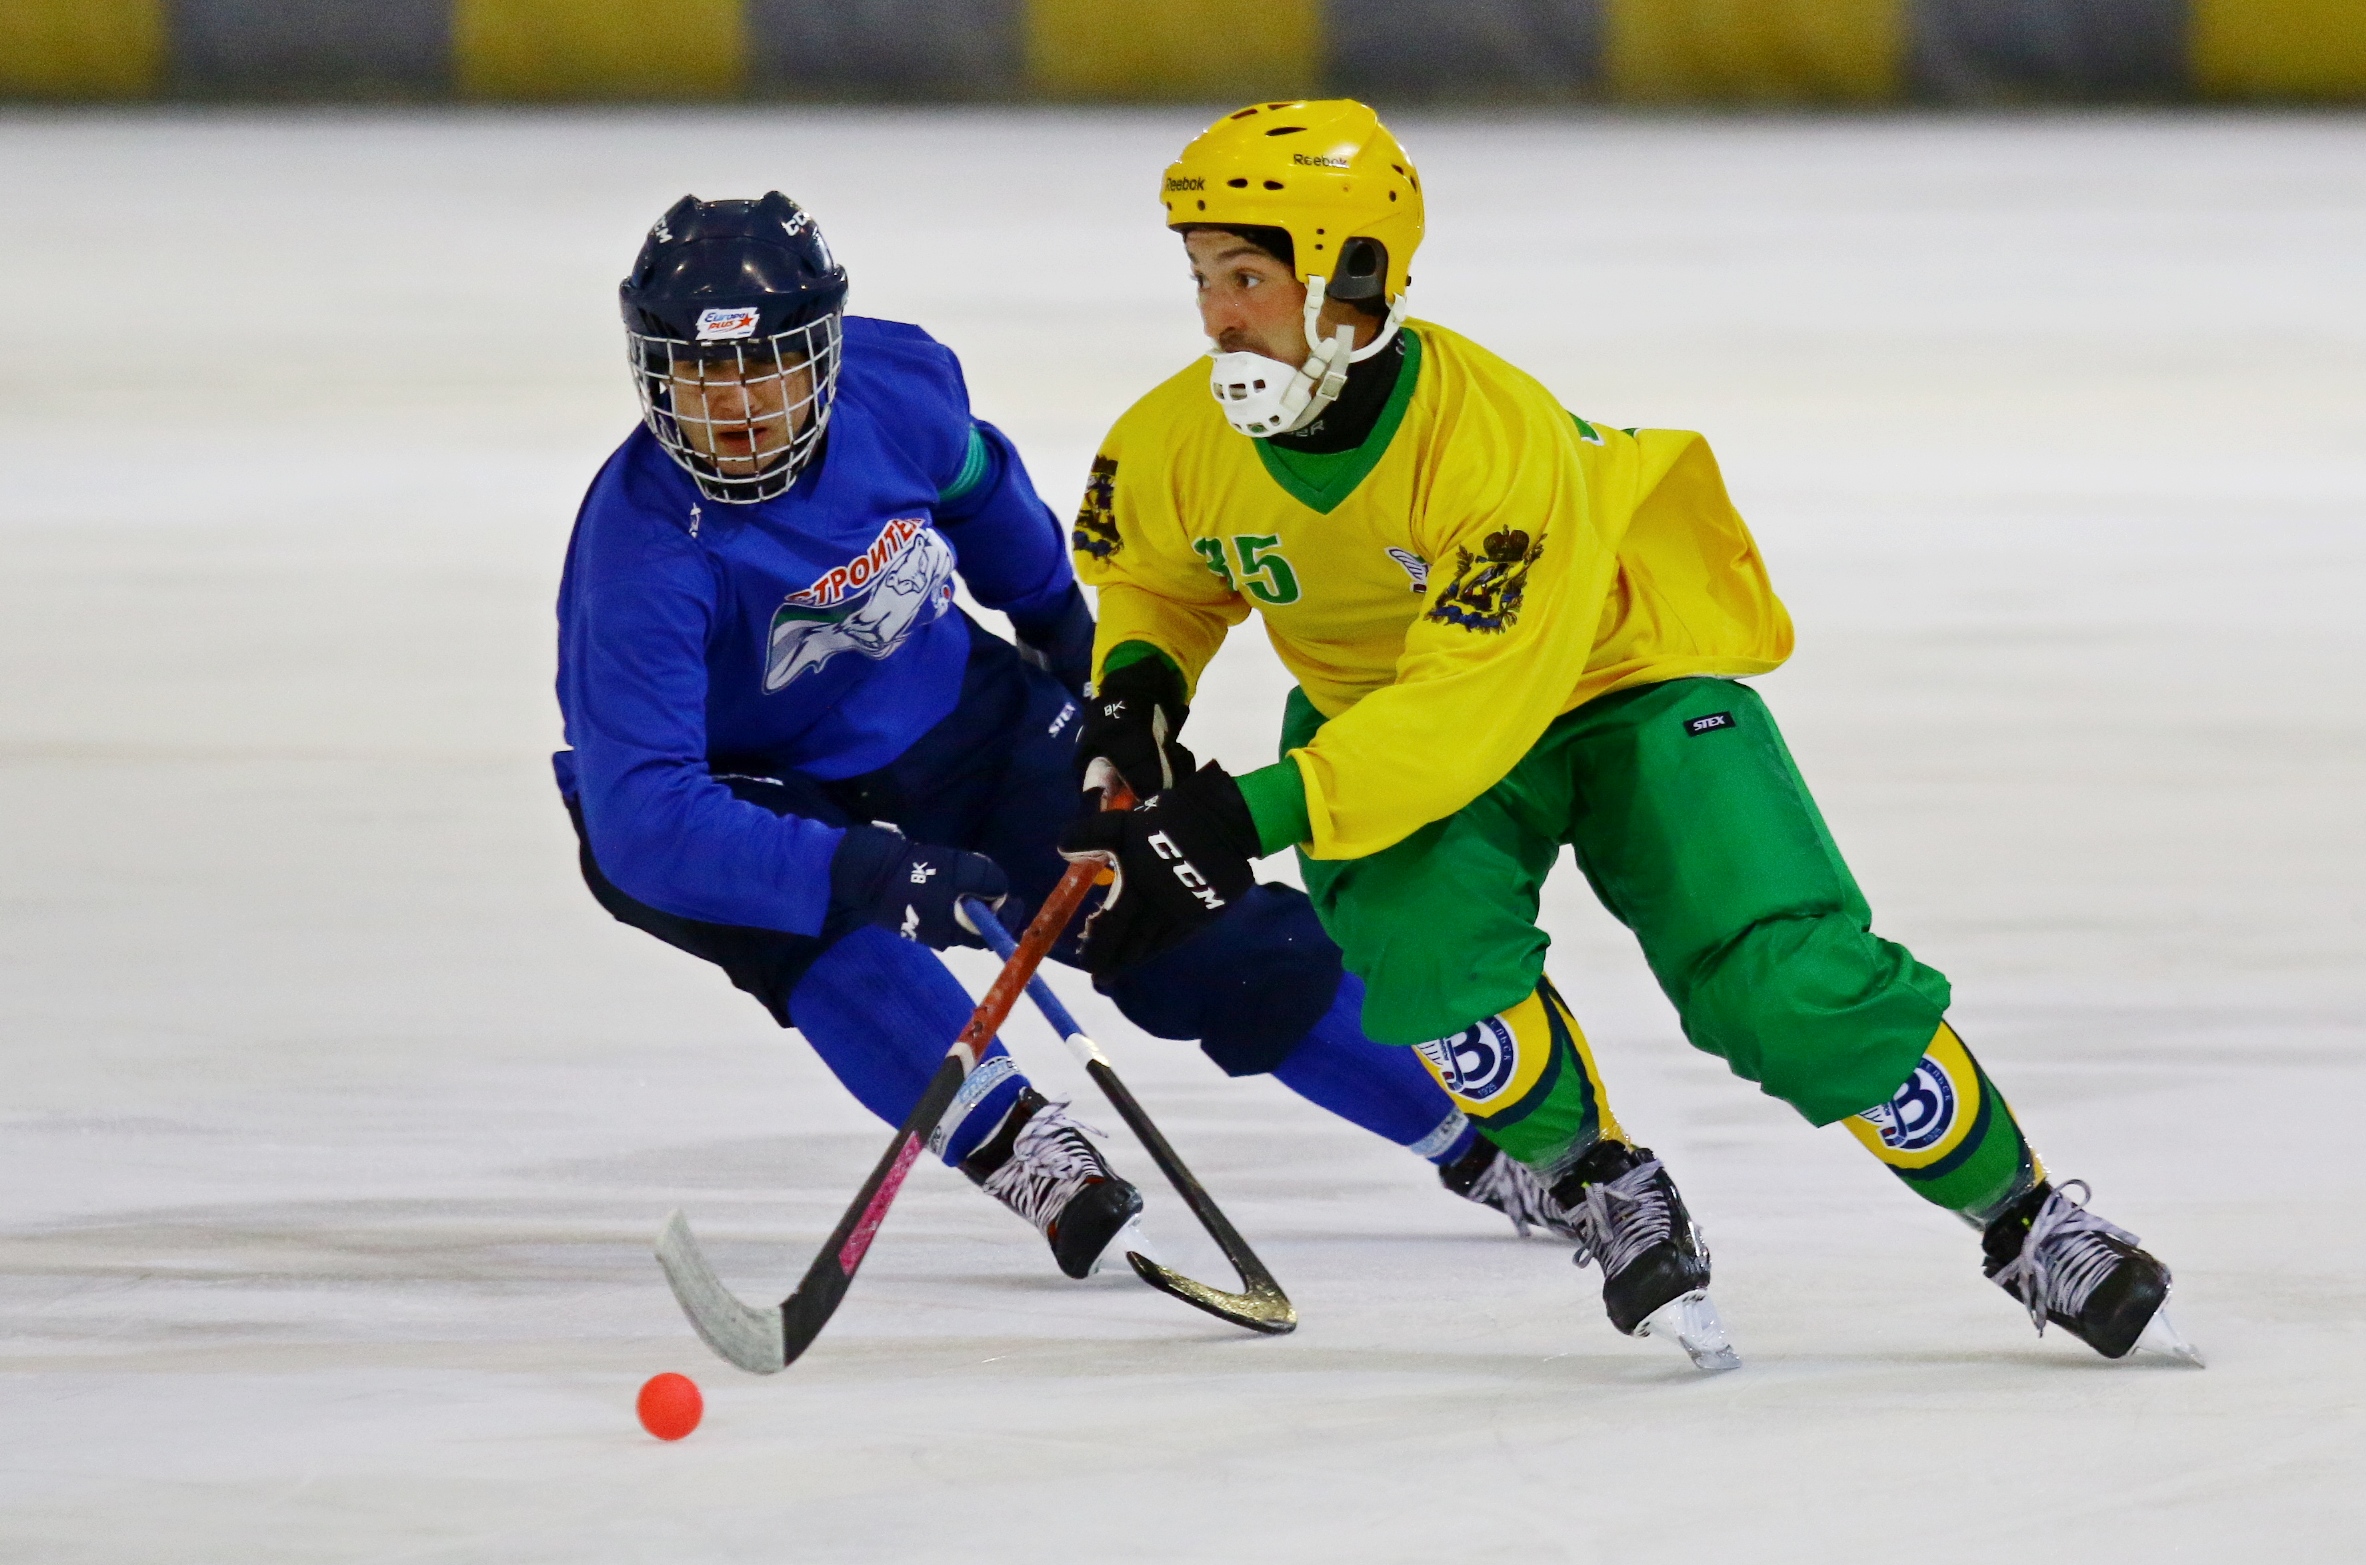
[1819, 1011]
[1248, 987]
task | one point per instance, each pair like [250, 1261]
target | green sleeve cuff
[1127, 653]
[976, 462]
[1276, 796]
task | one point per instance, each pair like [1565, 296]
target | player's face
[1248, 301]
[1251, 303]
[741, 412]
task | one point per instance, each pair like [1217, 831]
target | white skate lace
[1512, 1188]
[1623, 1217]
[1050, 1161]
[2067, 1253]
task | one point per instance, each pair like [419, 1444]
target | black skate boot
[1655, 1269]
[2085, 1275]
[1040, 1165]
[1489, 1176]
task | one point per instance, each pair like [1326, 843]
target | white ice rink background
[337, 1119]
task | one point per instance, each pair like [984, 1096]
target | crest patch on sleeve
[1096, 520]
[1487, 587]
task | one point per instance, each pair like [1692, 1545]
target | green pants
[1692, 824]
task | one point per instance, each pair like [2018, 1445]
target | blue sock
[881, 1012]
[1385, 1090]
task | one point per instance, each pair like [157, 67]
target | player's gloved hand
[915, 888]
[1180, 859]
[1060, 642]
[1130, 721]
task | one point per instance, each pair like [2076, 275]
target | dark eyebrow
[1240, 247]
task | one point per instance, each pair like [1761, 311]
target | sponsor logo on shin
[1477, 1063]
[1921, 1114]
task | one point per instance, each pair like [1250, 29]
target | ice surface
[338, 1121]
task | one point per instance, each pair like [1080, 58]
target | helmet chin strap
[1259, 403]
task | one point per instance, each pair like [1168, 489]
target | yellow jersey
[1484, 562]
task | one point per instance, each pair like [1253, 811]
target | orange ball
[670, 1406]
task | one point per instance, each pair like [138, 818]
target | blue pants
[1261, 990]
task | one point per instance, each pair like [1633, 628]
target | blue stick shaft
[999, 941]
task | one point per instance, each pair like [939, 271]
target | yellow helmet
[1324, 172]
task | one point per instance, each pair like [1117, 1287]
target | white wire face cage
[741, 418]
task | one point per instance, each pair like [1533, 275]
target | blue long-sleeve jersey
[814, 632]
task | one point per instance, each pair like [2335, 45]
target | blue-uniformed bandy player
[790, 752]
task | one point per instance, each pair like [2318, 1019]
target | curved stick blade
[1262, 1308]
[754, 1339]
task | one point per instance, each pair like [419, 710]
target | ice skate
[1489, 1176]
[1655, 1269]
[2085, 1275]
[1041, 1165]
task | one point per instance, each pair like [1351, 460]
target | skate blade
[2160, 1335]
[1692, 1321]
[1133, 1236]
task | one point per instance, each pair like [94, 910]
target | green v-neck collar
[1319, 481]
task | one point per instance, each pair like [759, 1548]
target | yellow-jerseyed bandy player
[1511, 629]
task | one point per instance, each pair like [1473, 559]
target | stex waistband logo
[1710, 724]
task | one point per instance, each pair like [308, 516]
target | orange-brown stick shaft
[1050, 920]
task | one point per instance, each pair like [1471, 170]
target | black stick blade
[1262, 1308]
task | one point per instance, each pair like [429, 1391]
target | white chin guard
[1262, 396]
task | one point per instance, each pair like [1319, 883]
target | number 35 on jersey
[1256, 566]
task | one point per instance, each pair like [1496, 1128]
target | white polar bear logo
[868, 605]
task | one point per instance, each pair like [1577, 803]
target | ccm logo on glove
[1185, 871]
[1177, 860]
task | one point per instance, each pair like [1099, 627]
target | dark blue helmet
[732, 314]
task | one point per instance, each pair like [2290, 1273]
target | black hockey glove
[1061, 641]
[1181, 859]
[1130, 721]
[914, 888]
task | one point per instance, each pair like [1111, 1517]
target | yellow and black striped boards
[1392, 51]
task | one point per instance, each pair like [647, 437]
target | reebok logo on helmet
[1187, 184]
[1317, 160]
